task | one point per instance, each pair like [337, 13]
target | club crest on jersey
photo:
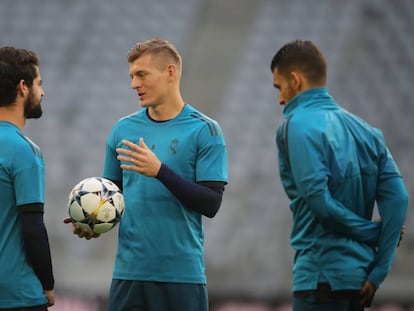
[173, 147]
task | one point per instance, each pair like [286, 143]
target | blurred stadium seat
[83, 47]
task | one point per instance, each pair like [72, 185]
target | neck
[168, 110]
[13, 115]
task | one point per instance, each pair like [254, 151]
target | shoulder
[18, 142]
[306, 124]
[135, 116]
[129, 119]
[202, 121]
[20, 150]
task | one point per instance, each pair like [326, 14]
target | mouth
[141, 96]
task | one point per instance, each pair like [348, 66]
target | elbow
[214, 204]
[400, 196]
[402, 202]
[213, 211]
[214, 207]
[405, 198]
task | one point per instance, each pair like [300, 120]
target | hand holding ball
[96, 204]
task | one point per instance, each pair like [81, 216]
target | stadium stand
[83, 46]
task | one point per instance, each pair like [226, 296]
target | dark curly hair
[15, 65]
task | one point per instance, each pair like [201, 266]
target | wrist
[161, 171]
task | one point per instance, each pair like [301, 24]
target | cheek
[159, 87]
[37, 92]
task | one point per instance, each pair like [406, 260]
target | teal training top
[334, 168]
[159, 238]
[21, 182]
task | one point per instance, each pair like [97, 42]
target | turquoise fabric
[334, 168]
[160, 239]
[21, 182]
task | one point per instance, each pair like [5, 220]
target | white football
[96, 204]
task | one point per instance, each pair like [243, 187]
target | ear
[298, 80]
[295, 80]
[172, 70]
[22, 87]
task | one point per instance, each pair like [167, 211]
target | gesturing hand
[142, 160]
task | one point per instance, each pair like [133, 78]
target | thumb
[67, 220]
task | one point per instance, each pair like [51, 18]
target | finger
[364, 296]
[366, 300]
[77, 230]
[130, 167]
[83, 233]
[123, 151]
[91, 235]
[367, 293]
[142, 143]
[402, 235]
[124, 158]
[130, 145]
[399, 241]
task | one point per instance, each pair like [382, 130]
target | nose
[281, 100]
[135, 83]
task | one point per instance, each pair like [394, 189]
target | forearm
[343, 221]
[311, 178]
[392, 206]
[36, 245]
[197, 197]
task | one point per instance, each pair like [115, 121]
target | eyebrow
[138, 72]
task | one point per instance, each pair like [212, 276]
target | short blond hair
[157, 47]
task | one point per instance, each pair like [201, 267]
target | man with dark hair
[26, 277]
[334, 168]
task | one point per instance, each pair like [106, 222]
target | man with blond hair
[170, 160]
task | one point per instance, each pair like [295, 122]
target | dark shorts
[324, 299]
[157, 296]
[35, 308]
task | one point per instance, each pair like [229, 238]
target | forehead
[38, 75]
[145, 62]
[277, 76]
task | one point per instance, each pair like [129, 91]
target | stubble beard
[32, 107]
